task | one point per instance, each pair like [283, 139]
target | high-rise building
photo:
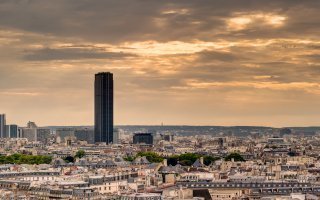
[30, 134]
[36, 134]
[12, 131]
[2, 125]
[85, 135]
[31, 125]
[143, 138]
[103, 107]
[43, 135]
[63, 133]
[167, 137]
[116, 136]
[20, 132]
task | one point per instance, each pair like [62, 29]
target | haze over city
[198, 62]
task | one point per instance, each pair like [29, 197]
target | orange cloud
[242, 21]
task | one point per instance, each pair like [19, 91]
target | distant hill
[203, 130]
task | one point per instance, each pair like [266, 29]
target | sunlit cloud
[307, 86]
[174, 47]
[239, 23]
[182, 11]
[20, 93]
[251, 65]
[242, 21]
[264, 77]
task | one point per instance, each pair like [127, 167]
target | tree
[186, 159]
[209, 159]
[46, 159]
[25, 159]
[151, 156]
[69, 159]
[81, 153]
[129, 158]
[173, 160]
[235, 156]
[189, 158]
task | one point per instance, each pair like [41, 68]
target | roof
[141, 161]
[197, 163]
[171, 169]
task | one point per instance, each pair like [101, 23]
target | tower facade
[12, 131]
[103, 107]
[3, 126]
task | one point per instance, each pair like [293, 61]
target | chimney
[201, 161]
[165, 162]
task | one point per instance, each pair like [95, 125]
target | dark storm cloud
[127, 20]
[72, 54]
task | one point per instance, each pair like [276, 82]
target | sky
[186, 62]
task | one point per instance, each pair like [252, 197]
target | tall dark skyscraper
[2, 125]
[103, 107]
[12, 131]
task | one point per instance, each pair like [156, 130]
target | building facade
[30, 134]
[143, 138]
[12, 131]
[36, 134]
[43, 135]
[2, 125]
[103, 103]
[63, 133]
[85, 135]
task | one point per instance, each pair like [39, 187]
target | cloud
[230, 58]
[20, 93]
[137, 20]
[73, 54]
[307, 86]
[206, 56]
[246, 20]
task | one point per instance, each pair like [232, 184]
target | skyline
[178, 63]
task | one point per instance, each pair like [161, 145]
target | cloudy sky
[192, 62]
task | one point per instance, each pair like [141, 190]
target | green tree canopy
[209, 159]
[69, 159]
[235, 156]
[129, 158]
[186, 159]
[189, 158]
[25, 159]
[151, 156]
[81, 153]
